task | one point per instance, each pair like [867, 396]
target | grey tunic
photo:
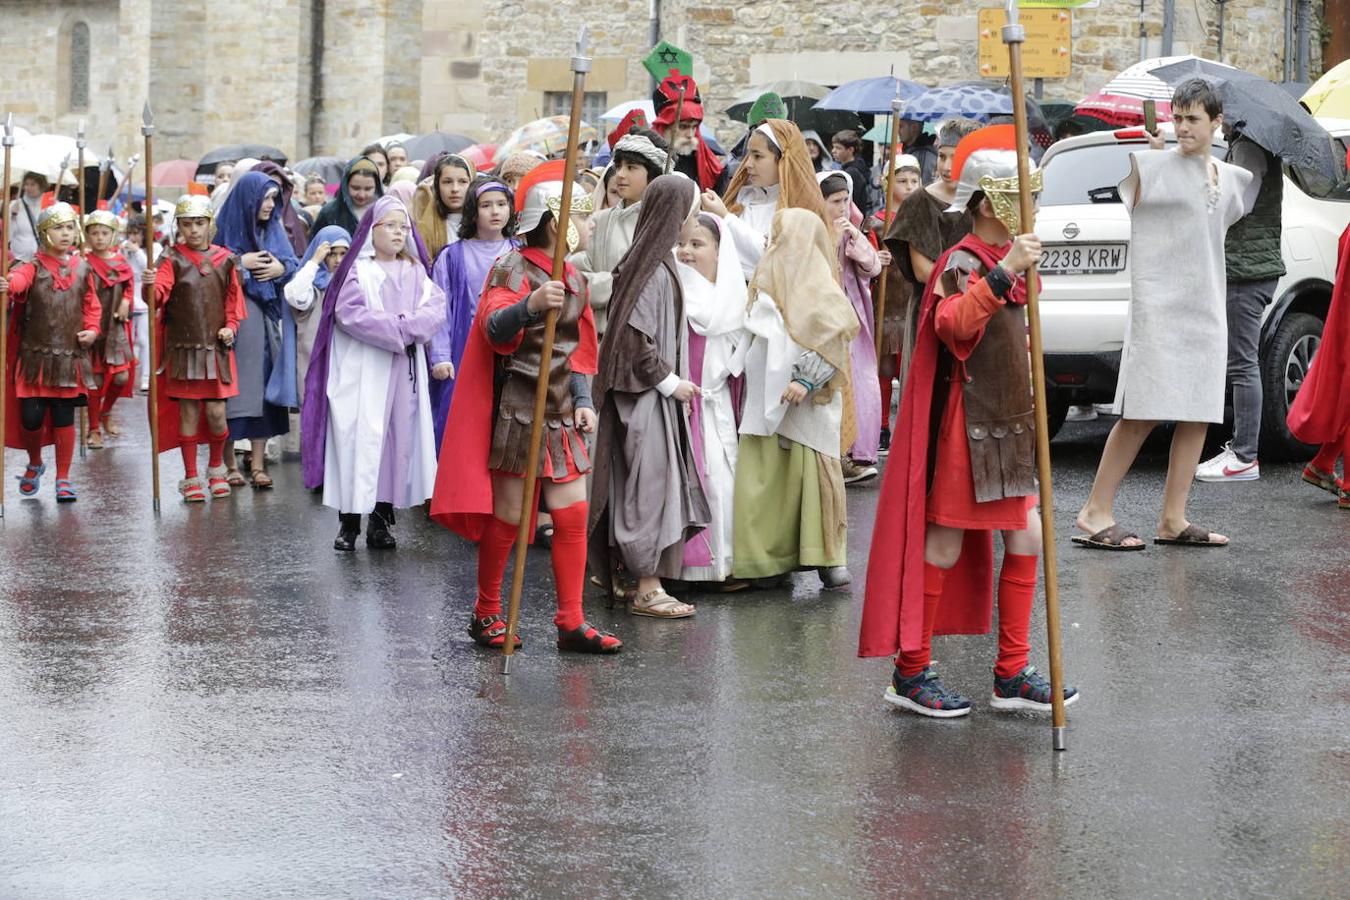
[1175, 355]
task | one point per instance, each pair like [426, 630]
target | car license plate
[1082, 259]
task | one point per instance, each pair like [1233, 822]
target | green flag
[666, 59]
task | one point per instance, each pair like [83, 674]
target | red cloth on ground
[569, 562]
[1320, 413]
[892, 605]
[1016, 593]
[462, 498]
[494, 550]
[63, 276]
[912, 662]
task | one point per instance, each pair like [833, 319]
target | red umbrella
[175, 172]
[480, 155]
[1119, 110]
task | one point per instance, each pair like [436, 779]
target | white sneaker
[1227, 467]
[855, 473]
[1081, 414]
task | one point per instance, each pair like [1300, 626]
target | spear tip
[583, 37]
[147, 117]
[9, 124]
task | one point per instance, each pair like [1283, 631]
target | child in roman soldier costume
[199, 304]
[111, 354]
[480, 483]
[963, 462]
[52, 325]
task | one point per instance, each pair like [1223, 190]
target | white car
[1085, 231]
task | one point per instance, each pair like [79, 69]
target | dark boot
[377, 529]
[350, 528]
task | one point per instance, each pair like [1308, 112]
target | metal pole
[4, 300]
[1169, 21]
[581, 64]
[148, 285]
[1304, 40]
[1014, 35]
[880, 324]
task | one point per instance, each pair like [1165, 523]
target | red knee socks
[886, 384]
[215, 448]
[95, 401]
[65, 450]
[911, 663]
[569, 562]
[104, 409]
[493, 551]
[189, 451]
[1016, 591]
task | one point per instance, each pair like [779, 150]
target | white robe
[358, 392]
[750, 227]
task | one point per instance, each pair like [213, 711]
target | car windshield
[1089, 174]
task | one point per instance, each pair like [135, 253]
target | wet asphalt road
[215, 704]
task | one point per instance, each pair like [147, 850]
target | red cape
[1320, 412]
[893, 601]
[462, 498]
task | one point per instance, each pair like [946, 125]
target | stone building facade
[325, 76]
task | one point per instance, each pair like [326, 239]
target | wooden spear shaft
[581, 64]
[1014, 35]
[880, 324]
[80, 246]
[4, 301]
[148, 286]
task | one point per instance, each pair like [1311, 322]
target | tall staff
[104, 167]
[581, 64]
[1014, 35]
[148, 285]
[890, 192]
[79, 228]
[4, 300]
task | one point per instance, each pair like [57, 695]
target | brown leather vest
[49, 353]
[112, 345]
[193, 316]
[517, 375]
[1000, 412]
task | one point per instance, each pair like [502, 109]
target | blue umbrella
[870, 95]
[966, 100]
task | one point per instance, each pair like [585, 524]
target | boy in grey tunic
[1172, 366]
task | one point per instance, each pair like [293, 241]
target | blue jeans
[1247, 302]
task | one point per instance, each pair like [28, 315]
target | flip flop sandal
[191, 489]
[31, 480]
[236, 478]
[586, 638]
[111, 427]
[1319, 479]
[94, 441]
[1191, 536]
[490, 632]
[65, 491]
[1110, 538]
[261, 480]
[660, 605]
[216, 481]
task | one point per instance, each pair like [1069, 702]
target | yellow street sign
[1047, 53]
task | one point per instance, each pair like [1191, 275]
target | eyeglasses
[395, 227]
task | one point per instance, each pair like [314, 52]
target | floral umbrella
[546, 136]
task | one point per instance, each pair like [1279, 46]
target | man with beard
[680, 128]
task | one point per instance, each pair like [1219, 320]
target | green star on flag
[666, 59]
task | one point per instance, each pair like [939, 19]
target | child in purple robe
[366, 419]
[460, 271]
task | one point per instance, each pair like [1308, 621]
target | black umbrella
[235, 152]
[329, 167]
[1268, 115]
[427, 146]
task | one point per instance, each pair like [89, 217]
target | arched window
[79, 66]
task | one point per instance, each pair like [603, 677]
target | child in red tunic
[200, 304]
[54, 321]
[111, 354]
[964, 464]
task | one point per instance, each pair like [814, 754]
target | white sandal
[659, 605]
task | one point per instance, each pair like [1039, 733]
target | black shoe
[346, 539]
[377, 534]
[885, 445]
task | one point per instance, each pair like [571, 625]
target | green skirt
[779, 520]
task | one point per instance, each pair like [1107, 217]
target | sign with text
[1047, 53]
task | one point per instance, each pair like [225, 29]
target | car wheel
[1057, 409]
[1283, 369]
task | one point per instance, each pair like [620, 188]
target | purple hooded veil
[314, 412]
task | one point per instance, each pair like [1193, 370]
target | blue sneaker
[926, 695]
[1027, 689]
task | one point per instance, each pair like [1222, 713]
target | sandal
[1191, 536]
[1342, 498]
[622, 593]
[31, 479]
[110, 426]
[65, 491]
[94, 441]
[191, 489]
[490, 632]
[217, 481]
[586, 638]
[659, 605]
[261, 480]
[1110, 538]
[235, 478]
